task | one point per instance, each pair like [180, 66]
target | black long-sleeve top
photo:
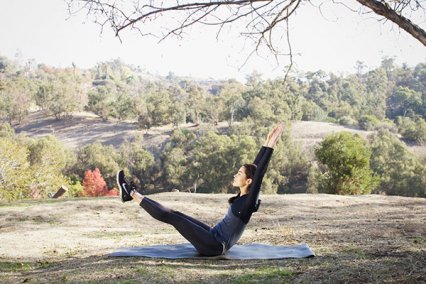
[229, 230]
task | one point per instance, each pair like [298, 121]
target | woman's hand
[274, 135]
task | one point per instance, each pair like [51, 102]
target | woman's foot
[124, 186]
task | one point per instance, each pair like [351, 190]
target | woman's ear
[249, 180]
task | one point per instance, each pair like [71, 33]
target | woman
[217, 240]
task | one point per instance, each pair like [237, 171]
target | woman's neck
[244, 190]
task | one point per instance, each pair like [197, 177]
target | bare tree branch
[262, 18]
[290, 52]
[394, 14]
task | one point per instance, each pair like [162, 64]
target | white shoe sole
[119, 186]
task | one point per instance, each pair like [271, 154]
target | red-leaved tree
[95, 185]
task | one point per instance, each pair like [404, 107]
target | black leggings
[196, 232]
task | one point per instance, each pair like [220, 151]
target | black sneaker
[124, 187]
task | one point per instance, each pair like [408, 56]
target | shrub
[312, 180]
[368, 122]
[346, 165]
[6, 130]
[48, 158]
[399, 170]
[216, 158]
[94, 184]
[413, 130]
[311, 111]
[30, 167]
[136, 162]
[387, 125]
[346, 120]
[75, 188]
[15, 170]
[98, 156]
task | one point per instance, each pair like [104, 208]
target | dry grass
[357, 239]
[420, 152]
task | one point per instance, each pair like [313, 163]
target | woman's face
[240, 178]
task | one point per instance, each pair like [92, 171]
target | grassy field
[357, 239]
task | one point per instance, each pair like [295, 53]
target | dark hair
[249, 169]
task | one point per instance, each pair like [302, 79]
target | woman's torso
[229, 230]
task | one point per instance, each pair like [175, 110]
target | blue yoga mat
[249, 251]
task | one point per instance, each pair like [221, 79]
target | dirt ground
[356, 239]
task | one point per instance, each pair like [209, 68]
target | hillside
[357, 239]
[85, 128]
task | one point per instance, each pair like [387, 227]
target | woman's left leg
[196, 232]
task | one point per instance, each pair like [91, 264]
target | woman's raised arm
[274, 135]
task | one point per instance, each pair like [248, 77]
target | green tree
[6, 130]
[216, 158]
[48, 158]
[402, 101]
[285, 105]
[124, 107]
[136, 161]
[98, 156]
[368, 122]
[175, 166]
[101, 102]
[32, 166]
[142, 115]
[412, 130]
[6, 66]
[153, 109]
[311, 111]
[75, 188]
[44, 95]
[388, 64]
[344, 97]
[194, 101]
[317, 90]
[346, 161]
[377, 87]
[231, 93]
[289, 169]
[261, 111]
[59, 94]
[48, 150]
[176, 159]
[15, 171]
[177, 111]
[399, 170]
[212, 109]
[15, 100]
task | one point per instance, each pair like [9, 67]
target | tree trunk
[232, 117]
[390, 14]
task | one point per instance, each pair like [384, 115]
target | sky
[332, 39]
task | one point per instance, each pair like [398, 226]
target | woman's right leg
[199, 223]
[196, 232]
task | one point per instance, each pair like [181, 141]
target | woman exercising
[219, 239]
